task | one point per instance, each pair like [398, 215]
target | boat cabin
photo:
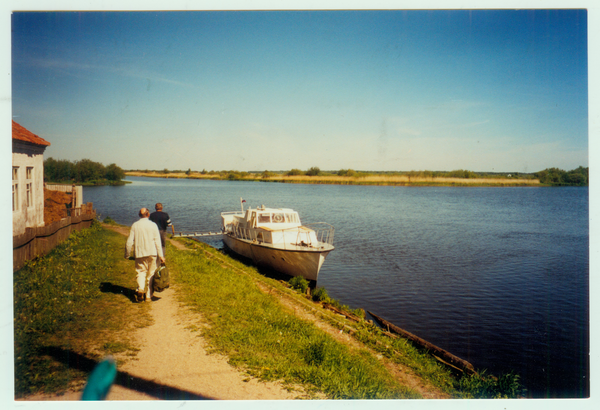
[269, 225]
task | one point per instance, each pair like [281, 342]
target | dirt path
[174, 356]
[173, 362]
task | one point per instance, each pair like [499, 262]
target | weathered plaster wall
[29, 155]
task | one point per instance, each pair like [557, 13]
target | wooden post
[437, 352]
[73, 196]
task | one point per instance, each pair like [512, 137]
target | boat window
[278, 218]
[264, 218]
[292, 218]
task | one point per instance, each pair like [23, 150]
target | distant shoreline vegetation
[548, 177]
[84, 172]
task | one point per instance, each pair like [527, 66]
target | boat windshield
[277, 218]
[292, 218]
[264, 218]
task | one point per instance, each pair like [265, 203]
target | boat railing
[323, 231]
[233, 213]
[296, 236]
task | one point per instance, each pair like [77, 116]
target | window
[15, 188]
[29, 186]
[292, 218]
[278, 218]
[29, 191]
[264, 218]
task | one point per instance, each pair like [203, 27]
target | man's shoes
[140, 296]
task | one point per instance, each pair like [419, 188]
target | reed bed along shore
[403, 180]
[378, 179]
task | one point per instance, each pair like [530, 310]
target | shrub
[320, 295]
[108, 220]
[461, 173]
[294, 171]
[557, 177]
[314, 172]
[298, 283]
[346, 173]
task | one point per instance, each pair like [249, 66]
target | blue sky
[484, 90]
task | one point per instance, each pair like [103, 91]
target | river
[496, 276]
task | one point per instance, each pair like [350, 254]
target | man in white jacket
[144, 240]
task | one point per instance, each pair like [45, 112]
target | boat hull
[293, 261]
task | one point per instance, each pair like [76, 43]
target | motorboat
[276, 239]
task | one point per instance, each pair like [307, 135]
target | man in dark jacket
[162, 219]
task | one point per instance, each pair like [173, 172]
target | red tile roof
[22, 134]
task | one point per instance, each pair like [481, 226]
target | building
[27, 179]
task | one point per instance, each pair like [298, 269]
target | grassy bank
[271, 343]
[75, 304]
[406, 179]
[247, 320]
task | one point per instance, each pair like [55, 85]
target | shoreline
[369, 180]
[414, 373]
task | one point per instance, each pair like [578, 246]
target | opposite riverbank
[407, 179]
[76, 305]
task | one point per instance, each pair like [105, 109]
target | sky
[389, 90]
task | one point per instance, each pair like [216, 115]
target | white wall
[28, 155]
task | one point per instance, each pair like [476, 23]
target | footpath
[173, 362]
[184, 366]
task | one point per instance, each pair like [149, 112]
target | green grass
[256, 333]
[259, 335]
[483, 386]
[74, 300]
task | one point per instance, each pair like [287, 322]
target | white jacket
[145, 237]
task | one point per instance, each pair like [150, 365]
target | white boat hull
[291, 260]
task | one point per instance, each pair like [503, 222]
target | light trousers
[145, 268]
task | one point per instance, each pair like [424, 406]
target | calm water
[496, 276]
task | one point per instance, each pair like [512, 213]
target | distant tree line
[84, 171]
[559, 177]
[549, 176]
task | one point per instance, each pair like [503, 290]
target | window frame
[29, 194]
[29, 186]
[15, 188]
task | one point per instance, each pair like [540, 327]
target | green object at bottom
[100, 381]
